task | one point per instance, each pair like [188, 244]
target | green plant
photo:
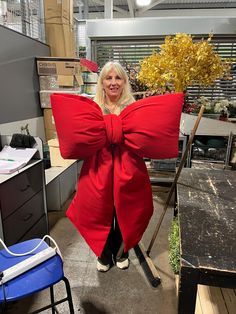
[174, 246]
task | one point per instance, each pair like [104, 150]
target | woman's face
[113, 85]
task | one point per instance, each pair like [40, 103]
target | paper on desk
[13, 159]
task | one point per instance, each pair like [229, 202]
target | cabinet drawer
[16, 191]
[23, 219]
[37, 231]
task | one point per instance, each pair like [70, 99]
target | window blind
[133, 51]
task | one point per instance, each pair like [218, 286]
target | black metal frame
[53, 303]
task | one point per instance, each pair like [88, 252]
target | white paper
[13, 159]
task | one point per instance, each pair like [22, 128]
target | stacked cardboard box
[59, 32]
[60, 75]
[64, 72]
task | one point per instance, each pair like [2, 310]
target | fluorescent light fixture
[143, 3]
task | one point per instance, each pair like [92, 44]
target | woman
[114, 184]
[113, 94]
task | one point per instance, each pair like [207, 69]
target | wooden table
[207, 209]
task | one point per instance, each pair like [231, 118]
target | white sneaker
[123, 265]
[102, 268]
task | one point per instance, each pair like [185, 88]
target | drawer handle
[27, 217]
[26, 188]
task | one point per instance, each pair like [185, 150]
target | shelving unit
[209, 133]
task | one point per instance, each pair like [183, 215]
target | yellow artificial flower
[182, 62]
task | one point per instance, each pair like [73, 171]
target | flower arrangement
[218, 106]
[180, 63]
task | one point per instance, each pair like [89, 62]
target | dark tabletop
[207, 211]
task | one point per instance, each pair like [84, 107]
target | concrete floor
[114, 292]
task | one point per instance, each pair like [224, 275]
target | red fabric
[115, 176]
[91, 65]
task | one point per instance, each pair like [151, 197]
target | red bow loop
[114, 131]
[80, 125]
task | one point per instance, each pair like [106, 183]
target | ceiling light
[143, 3]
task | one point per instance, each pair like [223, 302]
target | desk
[206, 204]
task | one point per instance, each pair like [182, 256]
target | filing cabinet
[23, 204]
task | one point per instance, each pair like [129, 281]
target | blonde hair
[126, 96]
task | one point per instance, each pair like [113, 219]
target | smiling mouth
[114, 89]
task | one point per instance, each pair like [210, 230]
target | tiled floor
[114, 292]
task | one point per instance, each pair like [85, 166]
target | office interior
[36, 33]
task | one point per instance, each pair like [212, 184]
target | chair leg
[52, 299]
[3, 308]
[53, 303]
[69, 296]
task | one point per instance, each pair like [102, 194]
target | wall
[223, 23]
[142, 27]
[19, 104]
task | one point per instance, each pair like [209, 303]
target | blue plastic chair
[43, 276]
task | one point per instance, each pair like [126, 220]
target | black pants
[114, 248]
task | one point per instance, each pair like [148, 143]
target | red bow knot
[114, 131]
[146, 128]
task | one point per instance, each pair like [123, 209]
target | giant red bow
[113, 172]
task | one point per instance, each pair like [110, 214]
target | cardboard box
[50, 134]
[55, 155]
[67, 70]
[49, 125]
[58, 11]
[51, 82]
[49, 122]
[58, 66]
[68, 81]
[45, 100]
[84, 69]
[61, 39]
